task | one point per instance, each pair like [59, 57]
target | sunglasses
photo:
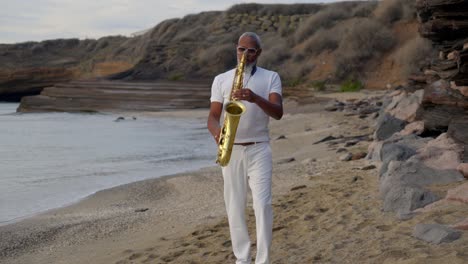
[250, 51]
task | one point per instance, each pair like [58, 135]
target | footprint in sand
[384, 227]
[172, 256]
[227, 243]
[135, 256]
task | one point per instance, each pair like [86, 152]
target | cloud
[28, 20]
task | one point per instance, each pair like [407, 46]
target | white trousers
[249, 166]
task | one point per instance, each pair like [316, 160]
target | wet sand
[326, 210]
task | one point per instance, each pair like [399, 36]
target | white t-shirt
[253, 124]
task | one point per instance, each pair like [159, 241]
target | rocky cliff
[27, 68]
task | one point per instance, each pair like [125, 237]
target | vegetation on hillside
[352, 34]
[355, 33]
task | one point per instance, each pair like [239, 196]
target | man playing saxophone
[251, 163]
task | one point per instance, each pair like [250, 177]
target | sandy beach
[326, 210]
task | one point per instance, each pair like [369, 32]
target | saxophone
[232, 113]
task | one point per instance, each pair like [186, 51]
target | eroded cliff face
[26, 68]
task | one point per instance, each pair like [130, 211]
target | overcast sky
[36, 20]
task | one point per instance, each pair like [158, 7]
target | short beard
[249, 67]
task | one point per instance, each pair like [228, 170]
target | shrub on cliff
[274, 9]
[218, 56]
[275, 52]
[294, 74]
[413, 54]
[323, 19]
[351, 86]
[324, 39]
[389, 11]
[366, 39]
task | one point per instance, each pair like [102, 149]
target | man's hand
[245, 94]
[217, 134]
[272, 107]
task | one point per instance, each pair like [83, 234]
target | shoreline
[90, 196]
[38, 197]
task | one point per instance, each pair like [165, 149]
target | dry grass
[389, 11]
[324, 39]
[413, 55]
[366, 39]
[274, 9]
[322, 20]
[272, 57]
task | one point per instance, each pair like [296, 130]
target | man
[251, 160]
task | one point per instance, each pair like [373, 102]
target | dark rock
[281, 137]
[394, 152]
[436, 233]
[368, 110]
[327, 138]
[368, 167]
[341, 150]
[140, 210]
[347, 157]
[387, 125]
[351, 143]
[298, 187]
[334, 106]
[285, 160]
[399, 148]
[358, 156]
[356, 178]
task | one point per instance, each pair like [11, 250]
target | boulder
[373, 151]
[405, 106]
[404, 199]
[387, 125]
[435, 233]
[400, 148]
[392, 152]
[462, 225]
[459, 193]
[416, 128]
[463, 169]
[412, 174]
[442, 153]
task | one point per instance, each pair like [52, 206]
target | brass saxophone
[232, 113]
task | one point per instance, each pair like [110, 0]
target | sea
[50, 160]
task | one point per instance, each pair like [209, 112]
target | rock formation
[421, 136]
[26, 68]
[108, 96]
